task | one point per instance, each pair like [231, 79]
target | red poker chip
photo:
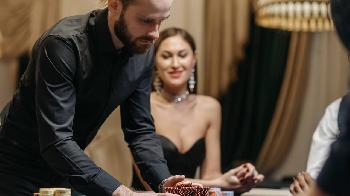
[188, 190]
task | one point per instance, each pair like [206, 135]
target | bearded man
[79, 72]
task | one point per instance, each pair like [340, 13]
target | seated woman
[188, 124]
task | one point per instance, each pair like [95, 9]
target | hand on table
[241, 179]
[302, 184]
[124, 191]
[178, 180]
[154, 194]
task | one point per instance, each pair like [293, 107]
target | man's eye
[147, 21]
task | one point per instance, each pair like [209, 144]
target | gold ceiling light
[294, 15]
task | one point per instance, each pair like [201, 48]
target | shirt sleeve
[55, 98]
[139, 132]
[325, 134]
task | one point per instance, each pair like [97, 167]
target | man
[325, 134]
[79, 72]
[333, 178]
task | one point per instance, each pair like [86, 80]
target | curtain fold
[282, 128]
[14, 27]
[249, 103]
[22, 22]
[226, 32]
[326, 80]
[44, 14]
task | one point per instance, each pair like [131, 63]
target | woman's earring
[157, 83]
[191, 82]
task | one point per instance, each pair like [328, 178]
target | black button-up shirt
[74, 80]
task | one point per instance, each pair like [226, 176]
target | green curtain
[249, 102]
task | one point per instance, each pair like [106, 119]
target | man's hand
[186, 183]
[124, 191]
[173, 180]
[302, 184]
[176, 181]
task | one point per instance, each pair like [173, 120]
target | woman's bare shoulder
[208, 103]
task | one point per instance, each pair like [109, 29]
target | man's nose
[154, 33]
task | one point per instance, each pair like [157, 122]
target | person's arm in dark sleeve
[55, 98]
[334, 176]
[139, 132]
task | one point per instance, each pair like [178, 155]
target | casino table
[267, 192]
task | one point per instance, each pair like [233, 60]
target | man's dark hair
[341, 17]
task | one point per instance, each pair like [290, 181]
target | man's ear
[115, 7]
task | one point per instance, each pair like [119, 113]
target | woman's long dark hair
[174, 31]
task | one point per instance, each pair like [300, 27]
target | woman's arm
[211, 166]
[210, 170]
[241, 178]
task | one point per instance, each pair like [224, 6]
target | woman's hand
[248, 177]
[241, 179]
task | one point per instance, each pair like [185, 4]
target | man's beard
[121, 31]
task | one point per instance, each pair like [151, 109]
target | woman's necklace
[176, 98]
